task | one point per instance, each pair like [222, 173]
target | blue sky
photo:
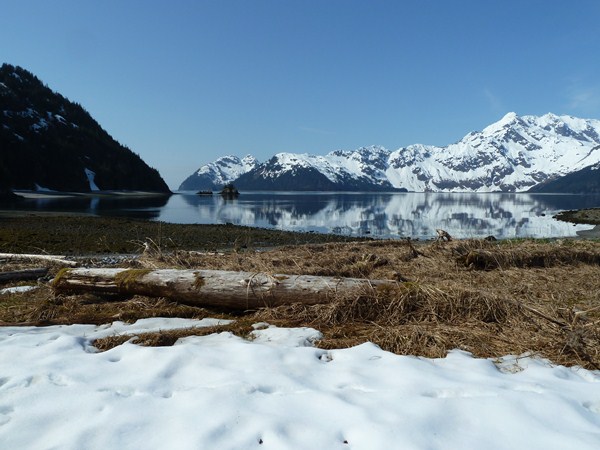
[184, 82]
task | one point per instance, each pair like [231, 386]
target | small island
[229, 191]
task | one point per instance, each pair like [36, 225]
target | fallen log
[26, 274]
[213, 288]
[54, 258]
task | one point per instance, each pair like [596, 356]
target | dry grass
[489, 298]
[41, 307]
[428, 322]
[166, 338]
[488, 256]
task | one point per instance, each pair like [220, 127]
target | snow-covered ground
[279, 392]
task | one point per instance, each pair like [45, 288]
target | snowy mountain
[49, 142]
[218, 173]
[511, 155]
[362, 169]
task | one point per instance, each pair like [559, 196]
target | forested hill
[47, 141]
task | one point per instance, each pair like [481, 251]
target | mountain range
[515, 154]
[49, 142]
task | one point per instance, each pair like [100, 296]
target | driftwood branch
[213, 288]
[19, 275]
[414, 253]
[53, 258]
[443, 235]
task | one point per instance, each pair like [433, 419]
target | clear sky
[183, 82]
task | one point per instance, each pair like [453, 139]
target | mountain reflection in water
[384, 215]
[141, 207]
[414, 215]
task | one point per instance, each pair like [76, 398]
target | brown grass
[483, 255]
[521, 296]
[166, 338]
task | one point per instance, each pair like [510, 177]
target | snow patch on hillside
[90, 177]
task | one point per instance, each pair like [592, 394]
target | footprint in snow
[5, 412]
[458, 393]
[592, 406]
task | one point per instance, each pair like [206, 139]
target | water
[384, 215]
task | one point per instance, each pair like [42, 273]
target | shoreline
[12, 210]
[82, 234]
[588, 216]
[110, 193]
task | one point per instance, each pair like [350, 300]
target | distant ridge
[217, 174]
[513, 154]
[49, 142]
[584, 181]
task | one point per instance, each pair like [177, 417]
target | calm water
[415, 215]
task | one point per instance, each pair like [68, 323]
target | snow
[41, 125]
[227, 168]
[90, 176]
[40, 188]
[278, 392]
[507, 120]
[513, 154]
[16, 289]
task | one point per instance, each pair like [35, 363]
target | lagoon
[380, 215]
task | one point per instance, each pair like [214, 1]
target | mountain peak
[218, 173]
[509, 117]
[502, 124]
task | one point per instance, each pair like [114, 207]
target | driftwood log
[26, 274]
[213, 288]
[53, 258]
[443, 235]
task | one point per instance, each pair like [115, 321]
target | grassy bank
[589, 216]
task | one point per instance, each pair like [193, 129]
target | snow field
[278, 392]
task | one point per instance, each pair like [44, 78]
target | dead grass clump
[320, 260]
[489, 256]
[354, 266]
[21, 308]
[430, 321]
[167, 338]
[428, 340]
[42, 307]
[567, 346]
[401, 304]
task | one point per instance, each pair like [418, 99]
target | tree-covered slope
[48, 141]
